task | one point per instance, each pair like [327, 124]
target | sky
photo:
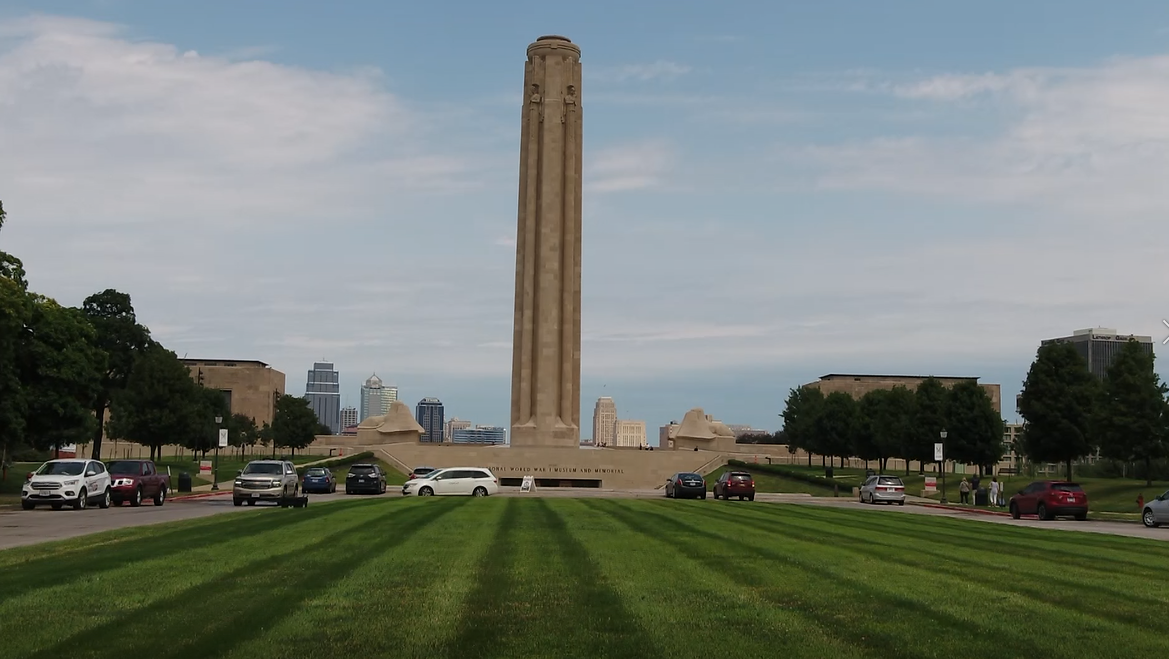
[773, 190]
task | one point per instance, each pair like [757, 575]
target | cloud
[658, 70]
[1088, 141]
[628, 167]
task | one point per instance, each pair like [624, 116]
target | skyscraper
[376, 397]
[323, 393]
[348, 417]
[429, 414]
[1100, 346]
[480, 435]
[604, 422]
[629, 433]
[454, 425]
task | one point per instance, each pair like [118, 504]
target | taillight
[752, 483]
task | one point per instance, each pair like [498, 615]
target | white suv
[454, 481]
[76, 482]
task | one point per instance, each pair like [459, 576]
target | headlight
[72, 482]
[123, 481]
[276, 483]
[240, 483]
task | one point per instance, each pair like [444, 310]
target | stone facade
[859, 385]
[699, 430]
[545, 396]
[254, 385]
[397, 425]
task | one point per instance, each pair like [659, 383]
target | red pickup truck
[135, 480]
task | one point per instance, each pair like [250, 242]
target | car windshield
[741, 477]
[888, 480]
[687, 477]
[422, 471]
[361, 469]
[1066, 487]
[61, 469]
[126, 467]
[317, 471]
[263, 468]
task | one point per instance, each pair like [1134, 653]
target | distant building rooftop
[831, 376]
[222, 362]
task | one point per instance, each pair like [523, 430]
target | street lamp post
[215, 469]
[943, 436]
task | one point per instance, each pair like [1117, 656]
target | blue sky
[774, 191]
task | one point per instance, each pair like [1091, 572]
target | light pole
[215, 469]
[943, 436]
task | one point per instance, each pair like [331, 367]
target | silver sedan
[1156, 512]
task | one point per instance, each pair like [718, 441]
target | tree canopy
[1132, 418]
[1058, 405]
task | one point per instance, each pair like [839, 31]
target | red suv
[735, 484]
[1051, 499]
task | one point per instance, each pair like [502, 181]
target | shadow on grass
[20, 578]
[846, 620]
[963, 564]
[601, 625]
[214, 617]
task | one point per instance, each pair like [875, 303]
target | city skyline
[902, 200]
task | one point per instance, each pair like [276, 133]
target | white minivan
[454, 481]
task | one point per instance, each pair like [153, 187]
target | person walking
[964, 491]
[994, 491]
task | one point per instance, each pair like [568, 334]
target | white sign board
[938, 456]
[223, 438]
[204, 467]
[931, 483]
[529, 484]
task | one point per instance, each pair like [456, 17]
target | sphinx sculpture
[398, 425]
[699, 430]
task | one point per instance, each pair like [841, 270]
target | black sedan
[367, 478]
[685, 485]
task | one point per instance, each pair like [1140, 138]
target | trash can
[870, 472]
[981, 497]
[184, 482]
[828, 471]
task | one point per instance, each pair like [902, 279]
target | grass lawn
[765, 482]
[513, 577]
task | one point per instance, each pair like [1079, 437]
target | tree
[14, 315]
[836, 425]
[121, 338]
[294, 424]
[159, 403]
[242, 431]
[885, 420]
[800, 412]
[61, 368]
[1058, 405]
[1132, 417]
[974, 428]
[929, 420]
[11, 267]
[868, 423]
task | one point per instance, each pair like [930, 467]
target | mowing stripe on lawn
[979, 567]
[403, 603]
[683, 604]
[113, 551]
[886, 610]
[251, 582]
[540, 594]
[957, 603]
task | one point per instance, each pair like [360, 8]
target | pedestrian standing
[994, 491]
[964, 491]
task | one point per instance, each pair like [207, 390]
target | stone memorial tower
[545, 372]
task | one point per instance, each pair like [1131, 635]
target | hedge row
[339, 462]
[802, 476]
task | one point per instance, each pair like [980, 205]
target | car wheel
[1041, 511]
[105, 500]
[137, 500]
[383, 490]
[160, 497]
[251, 502]
[82, 500]
[1014, 512]
[702, 496]
[742, 498]
[751, 497]
[27, 505]
[237, 502]
[901, 502]
[480, 492]
[1148, 518]
[426, 492]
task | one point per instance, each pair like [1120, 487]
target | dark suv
[367, 478]
[735, 484]
[1051, 499]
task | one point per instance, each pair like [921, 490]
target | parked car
[265, 480]
[135, 480]
[454, 481]
[686, 484]
[368, 478]
[76, 482]
[1050, 499]
[318, 480]
[735, 484]
[421, 472]
[885, 489]
[1156, 512]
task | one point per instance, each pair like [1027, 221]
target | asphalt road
[21, 527]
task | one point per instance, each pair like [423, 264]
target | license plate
[361, 480]
[255, 495]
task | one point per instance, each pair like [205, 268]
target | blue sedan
[318, 480]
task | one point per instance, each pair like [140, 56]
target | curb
[975, 511]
